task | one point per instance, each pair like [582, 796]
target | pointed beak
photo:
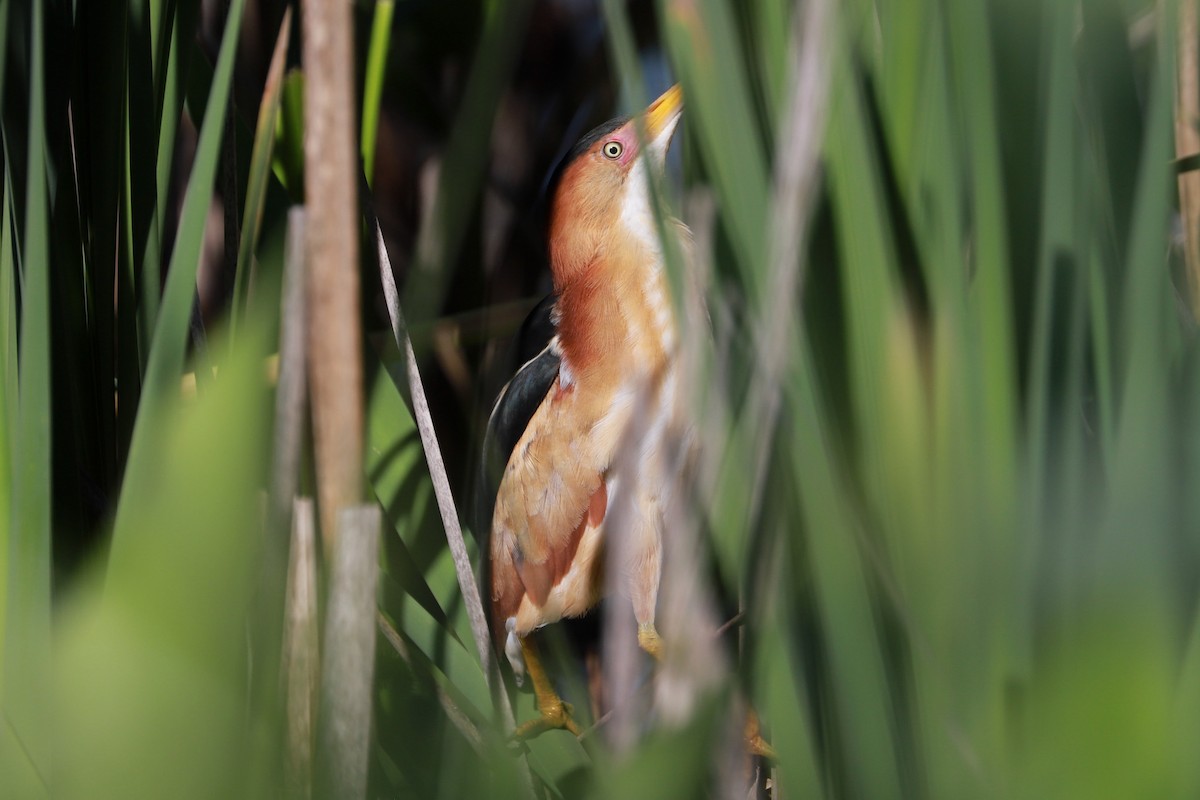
[662, 117]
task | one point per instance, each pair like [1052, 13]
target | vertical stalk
[335, 347]
[348, 659]
[301, 656]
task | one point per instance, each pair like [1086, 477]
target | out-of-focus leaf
[992, 366]
[1058, 230]
[772, 18]
[784, 708]
[860, 694]
[720, 113]
[869, 271]
[692, 772]
[1074, 747]
[150, 676]
[1136, 544]
[1187, 703]
[701, 36]
[905, 48]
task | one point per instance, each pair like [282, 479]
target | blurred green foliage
[973, 571]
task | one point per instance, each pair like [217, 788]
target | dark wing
[536, 331]
[512, 412]
[514, 408]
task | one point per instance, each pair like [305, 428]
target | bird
[562, 426]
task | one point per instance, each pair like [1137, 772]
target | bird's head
[604, 188]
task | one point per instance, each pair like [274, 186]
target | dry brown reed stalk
[446, 505]
[437, 467]
[335, 343]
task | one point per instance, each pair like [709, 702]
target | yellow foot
[553, 715]
[554, 712]
[756, 745]
[650, 641]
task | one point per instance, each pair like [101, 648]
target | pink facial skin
[627, 136]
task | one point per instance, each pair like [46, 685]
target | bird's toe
[554, 715]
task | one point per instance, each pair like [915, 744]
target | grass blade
[10, 398]
[170, 333]
[141, 128]
[27, 629]
[260, 175]
[377, 52]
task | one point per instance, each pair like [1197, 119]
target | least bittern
[562, 420]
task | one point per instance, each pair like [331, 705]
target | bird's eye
[613, 149]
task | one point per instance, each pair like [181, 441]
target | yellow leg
[756, 745]
[554, 712]
[649, 640]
